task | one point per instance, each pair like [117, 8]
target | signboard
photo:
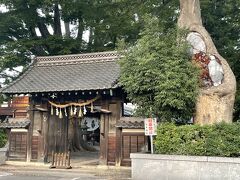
[91, 122]
[150, 125]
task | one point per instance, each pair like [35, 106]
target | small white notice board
[150, 125]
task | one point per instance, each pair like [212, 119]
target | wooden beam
[104, 123]
[114, 152]
[30, 131]
[40, 109]
[118, 135]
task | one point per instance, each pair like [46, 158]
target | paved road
[26, 173]
[9, 176]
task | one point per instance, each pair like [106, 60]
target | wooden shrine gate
[58, 147]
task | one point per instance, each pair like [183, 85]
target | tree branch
[57, 24]
[80, 29]
[43, 29]
[32, 31]
[67, 29]
[12, 69]
[4, 75]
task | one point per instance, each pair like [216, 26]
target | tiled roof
[92, 71]
[15, 123]
[131, 123]
[6, 111]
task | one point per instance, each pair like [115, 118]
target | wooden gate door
[58, 142]
[131, 143]
[18, 146]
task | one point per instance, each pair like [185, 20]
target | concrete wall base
[167, 167]
[3, 155]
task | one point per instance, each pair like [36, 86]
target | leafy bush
[3, 138]
[208, 140]
[157, 74]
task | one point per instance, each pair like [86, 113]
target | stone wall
[167, 167]
[3, 156]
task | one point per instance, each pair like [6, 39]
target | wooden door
[131, 143]
[18, 146]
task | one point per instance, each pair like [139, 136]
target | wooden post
[64, 159]
[45, 136]
[151, 141]
[114, 154]
[104, 135]
[52, 159]
[118, 135]
[30, 130]
[68, 155]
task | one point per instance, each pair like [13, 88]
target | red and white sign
[150, 126]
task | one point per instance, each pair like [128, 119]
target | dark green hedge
[208, 140]
[3, 138]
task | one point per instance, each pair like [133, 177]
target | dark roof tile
[131, 123]
[92, 71]
[15, 123]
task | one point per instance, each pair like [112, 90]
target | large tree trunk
[75, 137]
[57, 22]
[67, 29]
[80, 30]
[215, 103]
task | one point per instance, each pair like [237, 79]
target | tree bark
[67, 29]
[43, 29]
[91, 36]
[32, 31]
[76, 140]
[215, 103]
[57, 23]
[80, 30]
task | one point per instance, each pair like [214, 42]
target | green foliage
[236, 112]
[157, 74]
[221, 19]
[105, 20]
[208, 140]
[3, 138]
[1, 99]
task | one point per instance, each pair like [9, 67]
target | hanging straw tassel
[51, 110]
[84, 110]
[91, 107]
[71, 111]
[60, 113]
[75, 110]
[80, 114]
[65, 111]
[57, 112]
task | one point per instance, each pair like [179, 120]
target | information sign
[150, 126]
